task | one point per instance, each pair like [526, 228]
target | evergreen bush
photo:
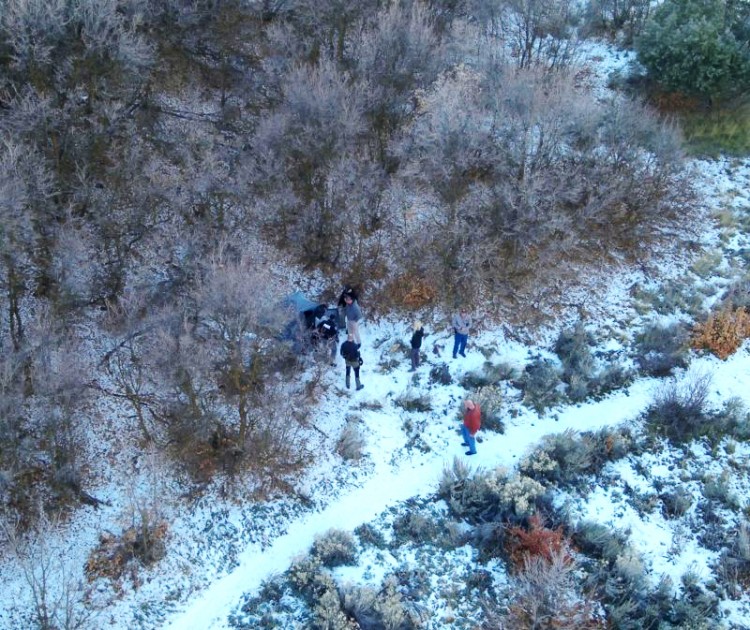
[699, 47]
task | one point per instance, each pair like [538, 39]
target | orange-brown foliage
[412, 292]
[723, 332]
[537, 541]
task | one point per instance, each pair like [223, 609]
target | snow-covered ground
[221, 550]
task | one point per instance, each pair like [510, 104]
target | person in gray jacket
[353, 315]
[461, 326]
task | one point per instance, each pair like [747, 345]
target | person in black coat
[328, 333]
[416, 344]
[350, 352]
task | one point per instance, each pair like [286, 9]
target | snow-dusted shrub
[351, 442]
[543, 594]
[418, 527]
[573, 348]
[733, 566]
[440, 374]
[564, 458]
[719, 488]
[541, 385]
[490, 400]
[334, 548]
[370, 536]
[382, 609]
[675, 296]
[414, 401]
[660, 349]
[309, 578]
[327, 612]
[599, 541]
[580, 369]
[489, 374]
[114, 553]
[679, 411]
[676, 502]
[489, 495]
[535, 540]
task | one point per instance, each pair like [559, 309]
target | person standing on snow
[461, 326]
[350, 352]
[416, 344]
[353, 315]
[472, 424]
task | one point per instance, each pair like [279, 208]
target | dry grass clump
[723, 332]
[114, 553]
[410, 291]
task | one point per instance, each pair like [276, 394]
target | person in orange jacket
[472, 423]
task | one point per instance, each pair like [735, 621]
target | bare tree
[57, 590]
[539, 32]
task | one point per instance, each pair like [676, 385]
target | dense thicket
[158, 160]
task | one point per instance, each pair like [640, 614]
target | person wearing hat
[472, 423]
[416, 344]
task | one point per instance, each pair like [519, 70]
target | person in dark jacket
[328, 333]
[416, 344]
[350, 352]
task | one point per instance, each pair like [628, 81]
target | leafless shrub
[545, 595]
[540, 32]
[679, 411]
[58, 596]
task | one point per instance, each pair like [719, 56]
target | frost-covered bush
[599, 541]
[418, 527]
[309, 578]
[327, 612]
[734, 563]
[378, 609]
[580, 369]
[564, 458]
[489, 374]
[494, 495]
[414, 401]
[334, 548]
[719, 488]
[490, 400]
[351, 442]
[676, 502]
[660, 349]
[440, 374]
[541, 385]
[370, 536]
[679, 411]
[544, 594]
[573, 348]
